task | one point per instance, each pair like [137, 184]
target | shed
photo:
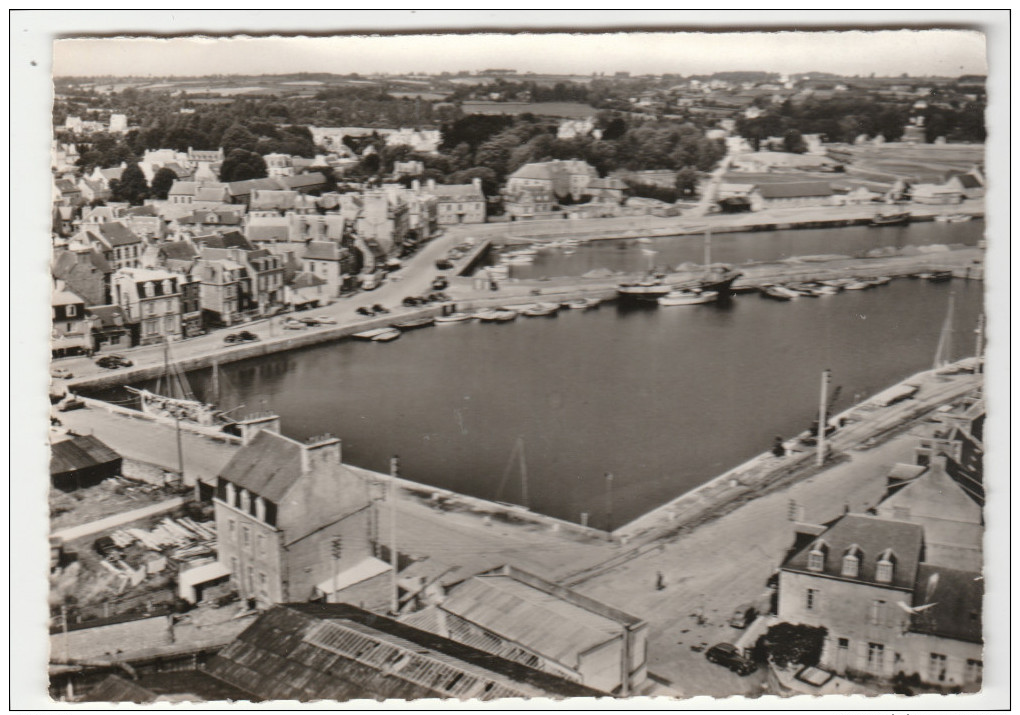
[82, 461]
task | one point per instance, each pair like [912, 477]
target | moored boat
[414, 324]
[953, 218]
[857, 285]
[776, 293]
[880, 281]
[371, 334]
[540, 310]
[688, 297]
[386, 335]
[889, 219]
[940, 276]
[457, 317]
[646, 289]
[582, 303]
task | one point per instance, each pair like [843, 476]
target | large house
[293, 524]
[119, 245]
[562, 178]
[151, 299]
[458, 203]
[85, 273]
[72, 327]
[885, 609]
[798, 193]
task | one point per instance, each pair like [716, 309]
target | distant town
[210, 234]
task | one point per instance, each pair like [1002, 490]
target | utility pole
[394, 471]
[979, 346]
[177, 414]
[820, 459]
[609, 502]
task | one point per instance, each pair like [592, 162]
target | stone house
[458, 203]
[150, 299]
[561, 177]
[72, 326]
[85, 273]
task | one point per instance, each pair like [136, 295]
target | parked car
[379, 309]
[310, 321]
[414, 300]
[291, 324]
[367, 312]
[246, 336]
[325, 320]
[71, 403]
[726, 654]
[231, 339]
[62, 373]
[443, 264]
[112, 362]
[440, 283]
[743, 616]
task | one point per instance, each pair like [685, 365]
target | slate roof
[795, 190]
[324, 251]
[269, 466]
[117, 234]
[268, 231]
[301, 181]
[313, 651]
[178, 250]
[459, 192]
[108, 315]
[238, 188]
[184, 188]
[115, 689]
[957, 596]
[873, 536]
[225, 218]
[969, 181]
[79, 452]
[230, 239]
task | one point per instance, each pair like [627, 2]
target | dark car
[310, 321]
[440, 283]
[231, 339]
[364, 311]
[443, 264]
[247, 337]
[112, 362]
[413, 300]
[379, 309]
[727, 654]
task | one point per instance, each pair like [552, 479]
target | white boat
[540, 310]
[569, 251]
[528, 251]
[644, 239]
[879, 281]
[582, 303]
[373, 334]
[953, 218]
[649, 251]
[784, 291]
[688, 297]
[856, 285]
[826, 290]
[457, 317]
[386, 336]
[497, 315]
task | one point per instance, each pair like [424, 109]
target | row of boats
[487, 315]
[790, 291]
[903, 218]
[526, 255]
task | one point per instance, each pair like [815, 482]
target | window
[251, 579]
[844, 643]
[233, 568]
[816, 560]
[263, 583]
[878, 613]
[876, 653]
[71, 311]
[261, 541]
[231, 525]
[260, 509]
[972, 671]
[884, 571]
[149, 289]
[230, 498]
[937, 667]
[851, 566]
[812, 599]
[247, 537]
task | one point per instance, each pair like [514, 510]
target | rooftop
[79, 452]
[954, 598]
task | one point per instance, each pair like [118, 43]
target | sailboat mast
[524, 474]
[944, 351]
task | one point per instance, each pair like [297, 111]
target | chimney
[322, 451]
[477, 183]
[416, 186]
[255, 423]
[432, 184]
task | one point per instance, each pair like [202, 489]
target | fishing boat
[173, 399]
[497, 315]
[806, 289]
[688, 297]
[783, 290]
[887, 219]
[826, 290]
[646, 289]
[837, 283]
[457, 317]
[415, 324]
[879, 281]
[582, 303]
[569, 251]
[386, 335]
[940, 276]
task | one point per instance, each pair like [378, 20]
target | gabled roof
[79, 452]
[238, 188]
[184, 188]
[114, 172]
[552, 624]
[459, 192]
[873, 536]
[211, 193]
[795, 190]
[227, 218]
[230, 239]
[313, 651]
[957, 597]
[314, 178]
[62, 296]
[307, 280]
[178, 250]
[969, 181]
[144, 211]
[268, 466]
[116, 234]
[115, 689]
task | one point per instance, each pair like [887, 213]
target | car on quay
[440, 283]
[362, 310]
[113, 362]
[244, 336]
[324, 320]
[443, 264]
[728, 655]
[379, 310]
[292, 324]
[743, 616]
[309, 321]
[62, 373]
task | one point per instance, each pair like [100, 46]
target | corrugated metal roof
[539, 621]
[79, 452]
[339, 652]
[267, 466]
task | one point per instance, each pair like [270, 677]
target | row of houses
[899, 588]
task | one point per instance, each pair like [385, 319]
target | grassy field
[570, 110]
[917, 162]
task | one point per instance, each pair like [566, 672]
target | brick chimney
[322, 451]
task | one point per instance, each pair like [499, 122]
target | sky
[885, 53]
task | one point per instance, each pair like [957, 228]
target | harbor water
[625, 255]
[664, 399]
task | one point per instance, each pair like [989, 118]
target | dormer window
[149, 289]
[168, 286]
[230, 494]
[852, 563]
[884, 568]
[245, 500]
[260, 509]
[816, 558]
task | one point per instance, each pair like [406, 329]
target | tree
[793, 142]
[162, 182]
[241, 165]
[789, 644]
[687, 181]
[131, 187]
[238, 137]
